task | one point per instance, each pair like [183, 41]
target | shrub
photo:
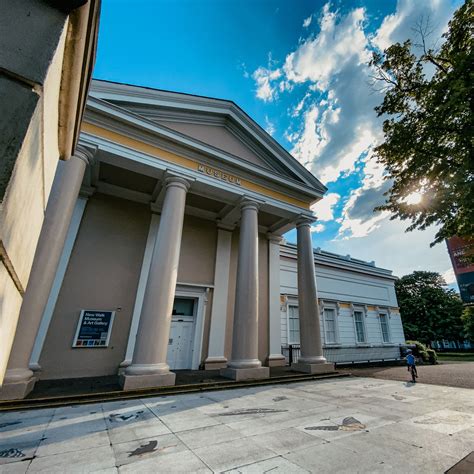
[421, 351]
[432, 356]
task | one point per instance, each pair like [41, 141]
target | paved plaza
[340, 425]
[445, 373]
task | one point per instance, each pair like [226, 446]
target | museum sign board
[94, 329]
[459, 249]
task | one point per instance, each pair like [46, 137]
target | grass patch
[456, 356]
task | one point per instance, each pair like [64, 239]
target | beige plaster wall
[51, 92]
[21, 217]
[219, 137]
[24, 203]
[103, 274]
[10, 304]
[198, 251]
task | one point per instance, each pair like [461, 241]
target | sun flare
[414, 198]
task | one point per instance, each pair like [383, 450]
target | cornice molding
[126, 123]
[109, 91]
[339, 262]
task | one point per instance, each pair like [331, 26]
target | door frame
[201, 295]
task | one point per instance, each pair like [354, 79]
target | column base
[276, 360]
[214, 363]
[246, 374]
[16, 390]
[134, 382]
[325, 368]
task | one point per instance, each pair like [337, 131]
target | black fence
[352, 354]
[291, 353]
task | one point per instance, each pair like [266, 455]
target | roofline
[129, 119]
[322, 256]
[264, 136]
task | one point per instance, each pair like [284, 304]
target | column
[244, 363]
[149, 367]
[19, 380]
[142, 281]
[59, 277]
[311, 360]
[216, 358]
[275, 357]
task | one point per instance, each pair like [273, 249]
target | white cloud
[300, 105]
[307, 21]
[317, 228]
[339, 127]
[342, 125]
[358, 216]
[393, 248]
[324, 209]
[269, 126]
[245, 73]
[400, 25]
[338, 42]
[263, 78]
[449, 276]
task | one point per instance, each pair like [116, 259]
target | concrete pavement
[452, 374]
[343, 425]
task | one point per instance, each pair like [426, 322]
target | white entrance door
[181, 340]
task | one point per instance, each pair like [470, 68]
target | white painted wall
[351, 285]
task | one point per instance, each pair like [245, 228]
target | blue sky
[299, 68]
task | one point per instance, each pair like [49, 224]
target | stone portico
[171, 216]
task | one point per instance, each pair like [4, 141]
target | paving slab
[225, 456]
[127, 453]
[273, 465]
[90, 460]
[208, 436]
[343, 425]
[184, 462]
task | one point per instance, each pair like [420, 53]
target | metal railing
[291, 353]
[348, 354]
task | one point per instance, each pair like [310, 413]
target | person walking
[411, 363]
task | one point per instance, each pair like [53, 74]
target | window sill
[332, 344]
[363, 344]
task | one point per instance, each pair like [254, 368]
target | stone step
[65, 400]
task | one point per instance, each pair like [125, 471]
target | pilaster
[216, 358]
[275, 357]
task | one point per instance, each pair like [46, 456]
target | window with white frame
[293, 325]
[384, 327]
[359, 325]
[330, 329]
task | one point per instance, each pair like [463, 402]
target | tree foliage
[429, 311]
[428, 127]
[468, 321]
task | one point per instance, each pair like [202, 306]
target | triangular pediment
[201, 122]
[221, 138]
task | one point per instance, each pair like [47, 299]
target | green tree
[429, 311]
[468, 321]
[428, 128]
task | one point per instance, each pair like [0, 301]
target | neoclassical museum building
[162, 250]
